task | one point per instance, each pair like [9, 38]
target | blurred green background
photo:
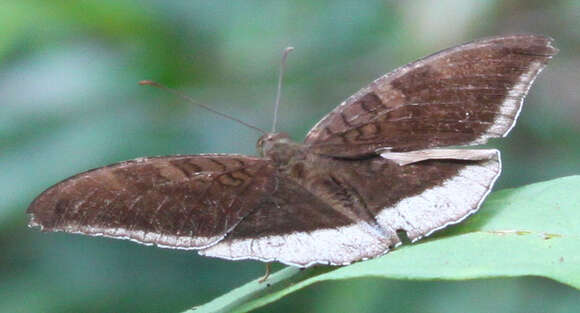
[69, 101]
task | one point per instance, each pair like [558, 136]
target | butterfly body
[378, 164]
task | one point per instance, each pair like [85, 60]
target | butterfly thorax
[278, 147]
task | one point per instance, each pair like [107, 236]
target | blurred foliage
[510, 237]
[69, 102]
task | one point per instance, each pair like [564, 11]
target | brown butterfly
[369, 169]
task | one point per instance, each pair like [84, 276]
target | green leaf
[532, 230]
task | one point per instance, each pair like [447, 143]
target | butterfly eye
[260, 146]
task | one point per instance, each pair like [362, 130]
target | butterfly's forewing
[459, 96]
[187, 202]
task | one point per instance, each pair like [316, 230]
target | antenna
[279, 92]
[190, 100]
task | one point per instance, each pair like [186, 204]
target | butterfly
[376, 168]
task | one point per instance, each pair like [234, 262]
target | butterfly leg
[410, 157]
[266, 275]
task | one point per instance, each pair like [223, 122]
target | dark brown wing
[296, 227]
[187, 202]
[337, 211]
[459, 96]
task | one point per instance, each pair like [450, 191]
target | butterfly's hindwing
[343, 212]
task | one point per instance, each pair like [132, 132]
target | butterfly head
[277, 146]
[268, 141]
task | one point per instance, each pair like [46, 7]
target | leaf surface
[528, 231]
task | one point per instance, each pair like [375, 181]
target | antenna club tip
[288, 50]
